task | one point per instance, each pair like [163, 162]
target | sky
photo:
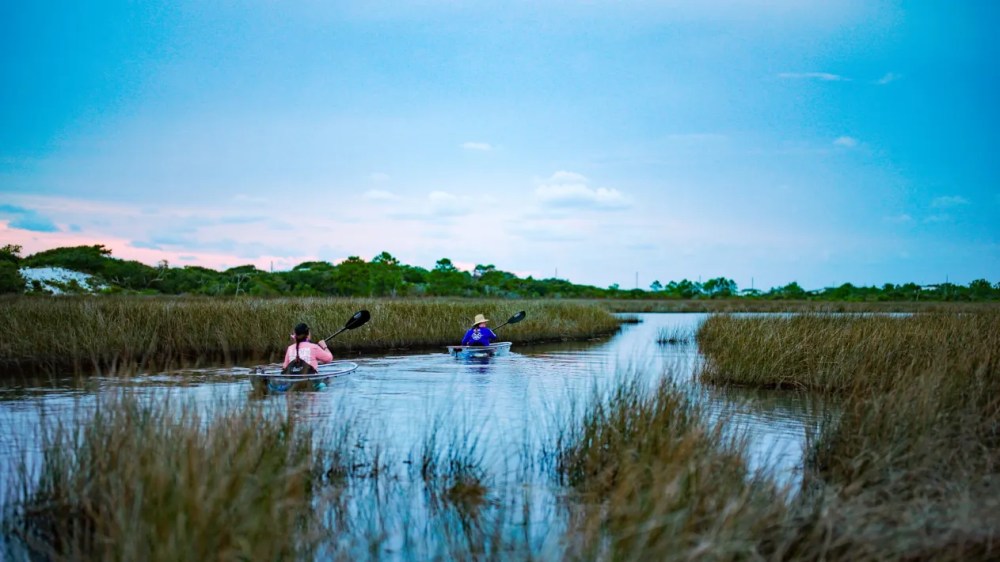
[602, 142]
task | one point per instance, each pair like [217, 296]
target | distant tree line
[385, 276]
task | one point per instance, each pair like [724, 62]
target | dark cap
[301, 329]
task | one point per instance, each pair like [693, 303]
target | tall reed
[656, 481]
[129, 333]
[909, 468]
[854, 353]
[147, 478]
[145, 481]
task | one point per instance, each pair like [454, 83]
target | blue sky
[600, 142]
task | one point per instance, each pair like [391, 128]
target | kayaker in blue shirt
[479, 334]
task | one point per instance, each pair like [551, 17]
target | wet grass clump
[144, 481]
[653, 479]
[674, 336]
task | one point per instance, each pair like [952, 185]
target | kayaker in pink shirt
[311, 353]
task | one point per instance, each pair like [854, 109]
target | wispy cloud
[242, 219]
[949, 201]
[445, 204]
[26, 219]
[938, 218]
[192, 241]
[481, 146]
[821, 76]
[899, 219]
[889, 78]
[571, 190]
[846, 142]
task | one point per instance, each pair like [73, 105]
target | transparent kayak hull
[468, 351]
[269, 378]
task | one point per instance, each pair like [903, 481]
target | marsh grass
[910, 467]
[747, 305]
[454, 471]
[674, 336]
[140, 481]
[655, 480]
[148, 478]
[121, 335]
[851, 353]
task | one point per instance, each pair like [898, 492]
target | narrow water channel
[506, 406]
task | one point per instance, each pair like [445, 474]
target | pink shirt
[310, 353]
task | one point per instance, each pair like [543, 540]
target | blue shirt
[478, 336]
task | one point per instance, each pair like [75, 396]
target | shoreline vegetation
[92, 270]
[126, 334]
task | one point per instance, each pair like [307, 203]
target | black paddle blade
[512, 320]
[358, 320]
[516, 318]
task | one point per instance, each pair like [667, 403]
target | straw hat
[479, 320]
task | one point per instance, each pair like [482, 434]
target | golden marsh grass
[124, 334]
[149, 482]
[780, 305]
[849, 353]
[908, 468]
[656, 480]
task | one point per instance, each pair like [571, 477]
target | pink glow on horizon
[32, 242]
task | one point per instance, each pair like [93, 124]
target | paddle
[356, 321]
[512, 320]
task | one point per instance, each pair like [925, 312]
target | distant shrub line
[385, 276]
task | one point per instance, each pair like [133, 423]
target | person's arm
[322, 353]
[467, 339]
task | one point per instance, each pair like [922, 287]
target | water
[504, 405]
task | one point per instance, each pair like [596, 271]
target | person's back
[479, 334]
[305, 351]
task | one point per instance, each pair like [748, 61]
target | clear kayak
[467, 351]
[269, 378]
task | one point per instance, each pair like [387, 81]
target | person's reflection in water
[304, 405]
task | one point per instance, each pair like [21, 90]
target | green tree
[11, 280]
[447, 280]
[720, 287]
[789, 291]
[11, 253]
[980, 289]
[386, 275]
[85, 259]
[685, 289]
[241, 278]
[656, 286]
[352, 278]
